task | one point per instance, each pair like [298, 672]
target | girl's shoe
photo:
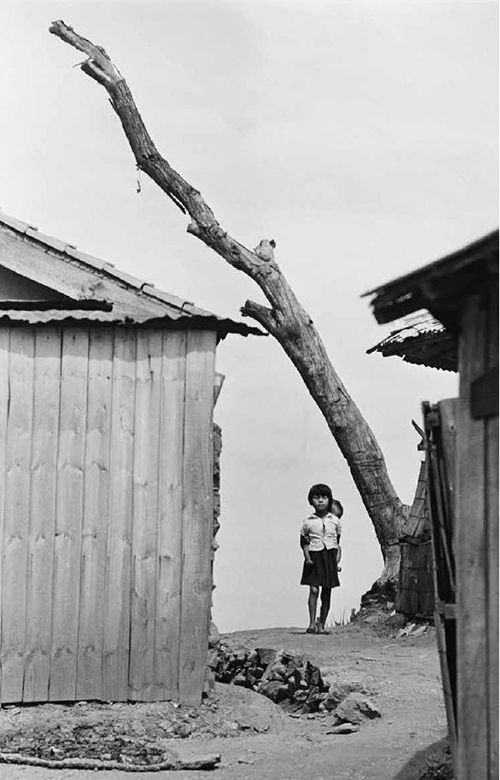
[311, 630]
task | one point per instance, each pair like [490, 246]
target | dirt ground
[254, 737]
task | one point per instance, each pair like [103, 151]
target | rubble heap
[291, 681]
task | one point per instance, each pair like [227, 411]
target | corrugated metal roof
[133, 300]
[424, 342]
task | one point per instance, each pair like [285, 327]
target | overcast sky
[361, 136]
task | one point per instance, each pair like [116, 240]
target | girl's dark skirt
[322, 571]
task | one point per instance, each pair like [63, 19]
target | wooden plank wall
[197, 520]
[106, 517]
[477, 552]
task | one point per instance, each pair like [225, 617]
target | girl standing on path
[320, 542]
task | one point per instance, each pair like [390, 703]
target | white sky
[362, 136]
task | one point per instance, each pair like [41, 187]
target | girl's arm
[304, 543]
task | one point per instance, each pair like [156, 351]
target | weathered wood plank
[17, 513]
[117, 576]
[168, 609]
[416, 591]
[492, 465]
[471, 556]
[142, 683]
[416, 524]
[69, 513]
[492, 432]
[95, 516]
[43, 513]
[4, 405]
[197, 514]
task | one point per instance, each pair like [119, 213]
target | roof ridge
[139, 285]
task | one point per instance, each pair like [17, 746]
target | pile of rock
[291, 681]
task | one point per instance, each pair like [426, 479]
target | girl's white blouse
[321, 532]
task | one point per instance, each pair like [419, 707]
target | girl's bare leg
[326, 597]
[312, 603]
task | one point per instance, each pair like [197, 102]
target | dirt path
[402, 673]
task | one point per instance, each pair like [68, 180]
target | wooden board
[95, 516]
[145, 515]
[4, 405]
[197, 515]
[15, 561]
[492, 472]
[69, 514]
[416, 523]
[471, 558]
[119, 545]
[43, 513]
[168, 609]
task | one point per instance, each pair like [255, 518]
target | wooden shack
[461, 291]
[106, 480]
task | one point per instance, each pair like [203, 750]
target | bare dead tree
[285, 318]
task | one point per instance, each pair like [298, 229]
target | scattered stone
[344, 728]
[405, 631]
[339, 691]
[266, 655]
[291, 681]
[355, 709]
[419, 630]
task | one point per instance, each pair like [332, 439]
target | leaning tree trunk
[286, 319]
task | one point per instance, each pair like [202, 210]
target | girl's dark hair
[321, 490]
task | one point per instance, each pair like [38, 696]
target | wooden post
[472, 556]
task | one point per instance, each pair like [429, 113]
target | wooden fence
[105, 512]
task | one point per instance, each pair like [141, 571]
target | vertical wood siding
[477, 552]
[197, 521]
[105, 513]
[16, 508]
